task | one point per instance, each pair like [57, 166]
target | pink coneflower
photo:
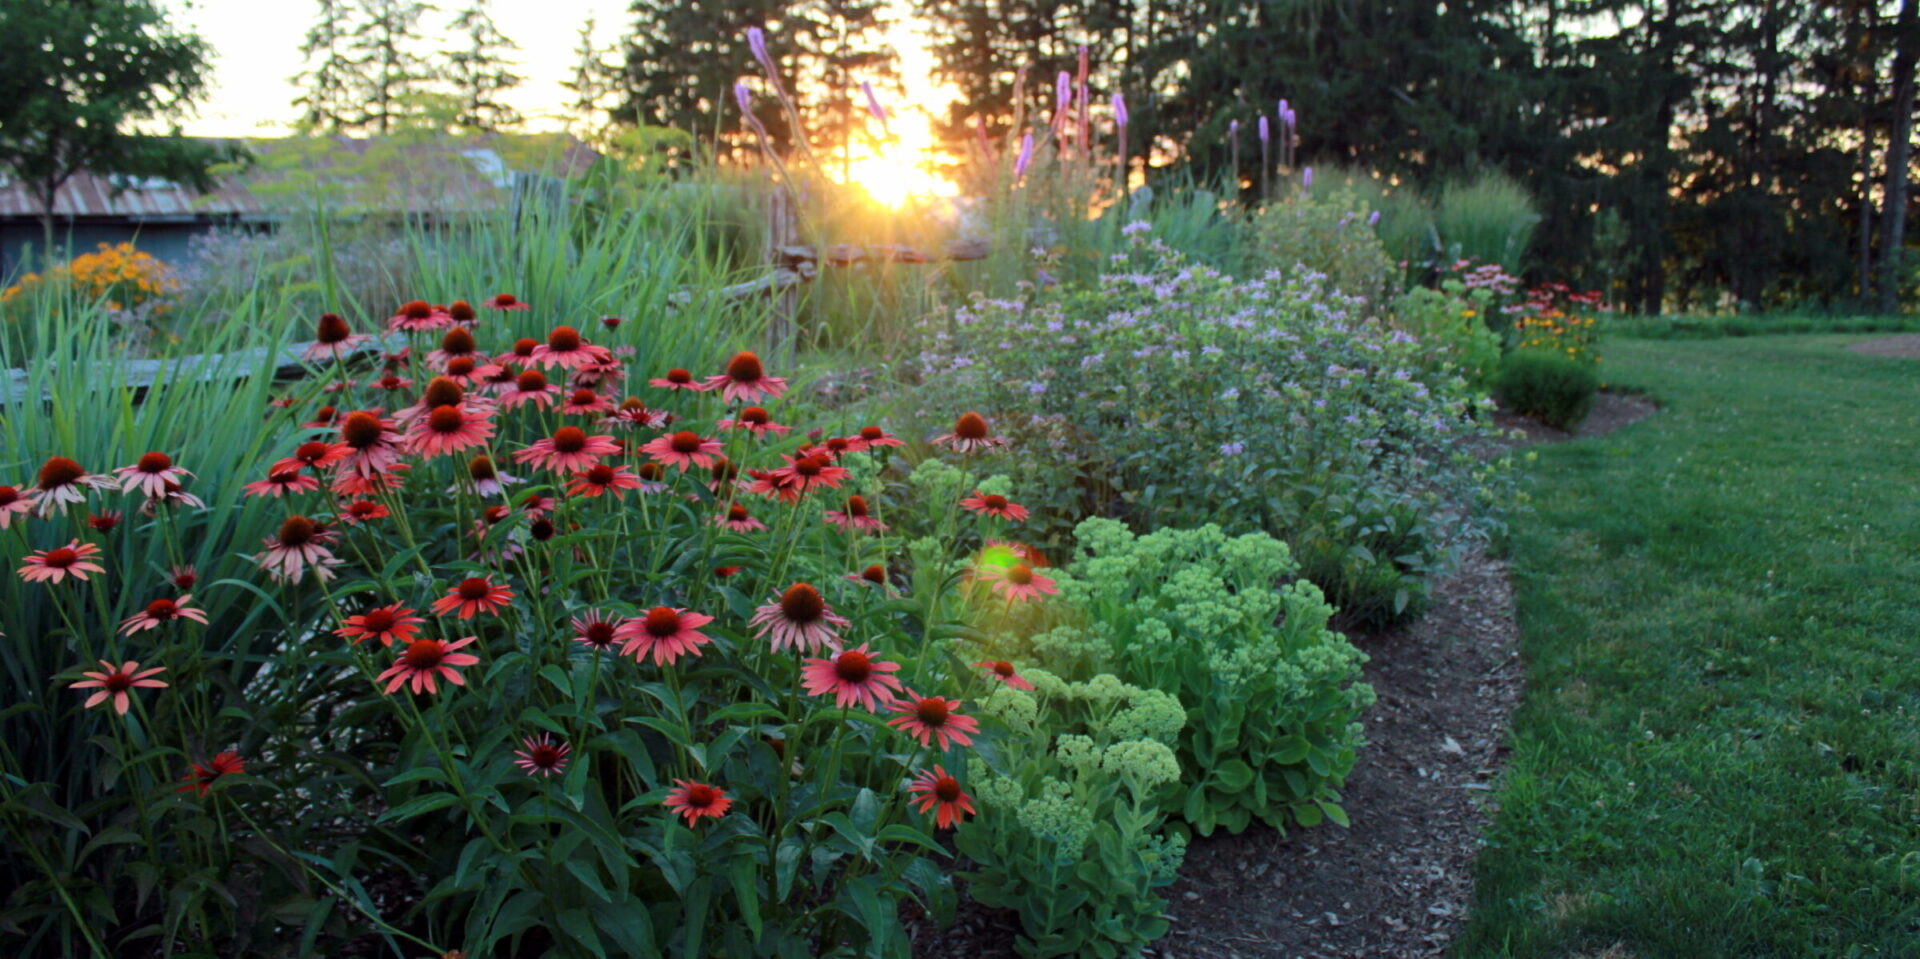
[521, 356]
[724, 474]
[463, 314]
[449, 430]
[300, 543]
[202, 778]
[505, 301]
[170, 495]
[807, 473]
[534, 504]
[871, 438]
[493, 378]
[350, 484]
[473, 595]
[530, 386]
[468, 371]
[391, 383]
[64, 481]
[150, 474]
[116, 681]
[798, 619]
[418, 315]
[934, 718]
[595, 631]
[373, 445]
[676, 379]
[362, 511]
[54, 565]
[398, 361]
[161, 611]
[756, 421]
[653, 479]
[14, 503]
[1002, 671]
[873, 576]
[440, 391]
[993, 504]
[598, 372]
[1018, 583]
[564, 348]
[105, 520]
[332, 339]
[970, 434]
[600, 479]
[543, 757]
[683, 449]
[853, 676]
[325, 418]
[941, 794]
[487, 479]
[388, 624]
[745, 381]
[426, 658]
[737, 518]
[856, 518]
[771, 486]
[456, 344]
[568, 450]
[634, 414]
[282, 483]
[315, 455]
[183, 578]
[693, 800]
[584, 402]
[666, 633]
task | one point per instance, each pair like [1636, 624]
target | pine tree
[593, 83]
[371, 76]
[479, 72]
[326, 102]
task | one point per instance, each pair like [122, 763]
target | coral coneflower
[417, 315]
[299, 544]
[350, 483]
[183, 578]
[530, 386]
[565, 348]
[373, 444]
[772, 486]
[683, 449]
[332, 339]
[737, 518]
[634, 414]
[676, 379]
[871, 438]
[568, 450]
[440, 391]
[804, 474]
[475, 594]
[725, 473]
[14, 503]
[105, 520]
[856, 518]
[53, 565]
[425, 659]
[595, 631]
[116, 681]
[798, 618]
[64, 481]
[325, 418]
[448, 430]
[993, 504]
[585, 402]
[456, 344]
[970, 434]
[162, 611]
[521, 355]
[1000, 670]
[600, 479]
[150, 474]
[934, 718]
[362, 511]
[853, 676]
[315, 455]
[1018, 583]
[285, 482]
[543, 757]
[693, 800]
[486, 476]
[940, 794]
[203, 778]
[666, 633]
[745, 381]
[505, 301]
[388, 624]
[755, 420]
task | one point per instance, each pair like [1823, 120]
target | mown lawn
[1719, 752]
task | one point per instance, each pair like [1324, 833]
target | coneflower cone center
[296, 530]
[563, 339]
[154, 463]
[481, 468]
[60, 471]
[457, 341]
[651, 471]
[600, 634]
[874, 574]
[932, 711]
[946, 789]
[970, 426]
[416, 310]
[460, 366]
[852, 666]
[1020, 574]
[871, 433]
[118, 682]
[446, 419]
[569, 439]
[701, 797]
[737, 513]
[995, 501]
[745, 368]
[677, 375]
[755, 416]
[524, 346]
[361, 430]
[379, 620]
[600, 474]
[1003, 669]
[308, 453]
[685, 441]
[443, 391]
[531, 381]
[331, 329]
[857, 506]
[802, 604]
[662, 621]
[162, 609]
[61, 558]
[474, 589]
[8, 495]
[584, 397]
[422, 654]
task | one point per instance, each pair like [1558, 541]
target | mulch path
[1610, 412]
[1905, 344]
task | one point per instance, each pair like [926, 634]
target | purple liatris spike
[757, 42]
[1264, 132]
[1062, 91]
[873, 103]
[1120, 109]
[1306, 178]
[1373, 219]
[743, 97]
[1233, 128]
[1026, 155]
[1288, 118]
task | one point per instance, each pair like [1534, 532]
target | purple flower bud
[1306, 178]
[873, 103]
[1284, 109]
[744, 98]
[1120, 109]
[1264, 132]
[1063, 91]
[1373, 219]
[1026, 155]
[1233, 128]
[757, 42]
[1288, 119]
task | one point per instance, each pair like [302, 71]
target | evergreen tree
[326, 100]
[394, 77]
[479, 72]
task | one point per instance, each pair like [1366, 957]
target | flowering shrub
[1172, 395]
[1328, 234]
[1555, 319]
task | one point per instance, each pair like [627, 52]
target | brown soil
[1610, 412]
[1905, 344]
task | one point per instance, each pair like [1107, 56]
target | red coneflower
[203, 778]
[391, 383]
[727, 572]
[534, 504]
[440, 391]
[54, 565]
[756, 421]
[798, 618]
[14, 503]
[806, 473]
[602, 478]
[332, 339]
[970, 434]
[150, 474]
[1002, 671]
[936, 718]
[666, 633]
[388, 624]
[568, 450]
[771, 486]
[493, 378]
[941, 794]
[448, 430]
[183, 578]
[463, 314]
[1018, 583]
[468, 371]
[315, 455]
[300, 543]
[530, 386]
[161, 611]
[64, 481]
[634, 414]
[993, 504]
[693, 800]
[521, 355]
[676, 379]
[362, 511]
[683, 449]
[594, 631]
[745, 381]
[584, 402]
[285, 482]
[542, 756]
[426, 658]
[506, 301]
[105, 520]
[116, 681]
[725, 473]
[856, 518]
[416, 315]
[737, 518]
[473, 595]
[870, 438]
[456, 344]
[566, 349]
[852, 676]
[373, 444]
[325, 418]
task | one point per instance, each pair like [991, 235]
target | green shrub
[1551, 387]
[1326, 233]
[1451, 323]
[1373, 569]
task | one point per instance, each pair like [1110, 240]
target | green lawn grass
[1719, 750]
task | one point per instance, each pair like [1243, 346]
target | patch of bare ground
[1611, 411]
[1905, 344]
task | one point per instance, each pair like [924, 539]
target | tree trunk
[1899, 154]
[1860, 27]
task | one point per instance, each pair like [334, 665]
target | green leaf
[419, 805]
